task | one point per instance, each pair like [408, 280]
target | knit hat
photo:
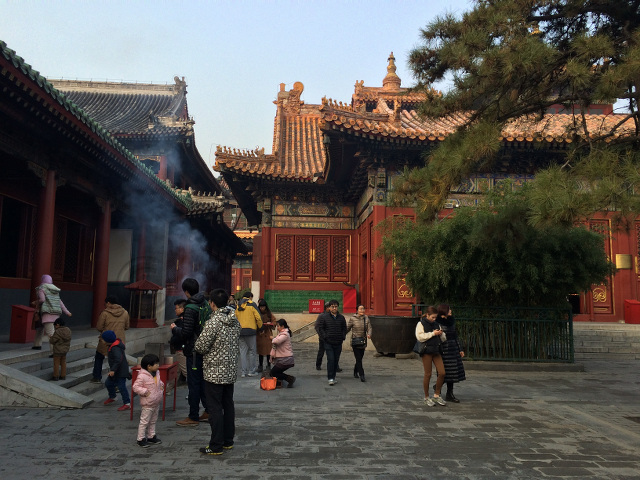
[46, 279]
[109, 336]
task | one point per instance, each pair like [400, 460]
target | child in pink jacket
[150, 388]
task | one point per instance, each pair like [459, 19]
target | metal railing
[514, 334]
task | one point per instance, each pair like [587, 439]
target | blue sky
[233, 54]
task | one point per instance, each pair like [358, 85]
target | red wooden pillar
[101, 266]
[44, 238]
[141, 253]
[382, 273]
[162, 171]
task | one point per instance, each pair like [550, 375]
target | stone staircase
[606, 341]
[25, 374]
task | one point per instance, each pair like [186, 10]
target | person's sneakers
[228, 446]
[187, 422]
[207, 451]
[109, 401]
[243, 375]
[332, 382]
[143, 443]
[126, 406]
[154, 440]
[204, 417]
[429, 403]
[440, 401]
[63, 378]
[338, 369]
[252, 374]
[318, 367]
[55, 379]
[95, 380]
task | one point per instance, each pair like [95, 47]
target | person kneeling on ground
[282, 353]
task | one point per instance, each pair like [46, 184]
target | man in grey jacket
[219, 344]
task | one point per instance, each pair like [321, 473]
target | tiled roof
[131, 108]
[386, 113]
[56, 96]
[298, 150]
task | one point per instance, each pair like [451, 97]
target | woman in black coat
[452, 352]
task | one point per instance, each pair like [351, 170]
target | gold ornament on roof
[391, 81]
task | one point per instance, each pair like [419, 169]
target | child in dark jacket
[118, 370]
[150, 388]
[61, 342]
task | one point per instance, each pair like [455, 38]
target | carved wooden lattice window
[321, 258]
[318, 258]
[303, 258]
[284, 257]
[340, 259]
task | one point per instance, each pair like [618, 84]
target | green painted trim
[296, 301]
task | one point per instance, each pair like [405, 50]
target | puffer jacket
[219, 344]
[188, 332]
[149, 388]
[61, 341]
[282, 345]
[113, 318]
[118, 360]
[332, 330]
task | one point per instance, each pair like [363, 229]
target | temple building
[102, 188]
[319, 196]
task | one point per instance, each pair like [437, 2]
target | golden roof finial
[391, 81]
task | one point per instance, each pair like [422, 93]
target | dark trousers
[112, 382]
[358, 353]
[222, 414]
[261, 359]
[278, 372]
[97, 365]
[333, 358]
[195, 384]
[320, 354]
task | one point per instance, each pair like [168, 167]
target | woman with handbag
[282, 354]
[452, 352]
[430, 335]
[360, 330]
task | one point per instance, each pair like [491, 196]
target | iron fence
[514, 334]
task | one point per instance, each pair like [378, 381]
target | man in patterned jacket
[219, 344]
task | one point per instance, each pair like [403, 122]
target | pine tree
[509, 61]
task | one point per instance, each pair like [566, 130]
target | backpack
[204, 314]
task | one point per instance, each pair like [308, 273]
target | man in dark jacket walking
[188, 334]
[332, 330]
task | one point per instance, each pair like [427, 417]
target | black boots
[290, 379]
[362, 378]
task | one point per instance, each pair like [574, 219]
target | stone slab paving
[509, 425]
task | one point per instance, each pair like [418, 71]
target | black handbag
[360, 342]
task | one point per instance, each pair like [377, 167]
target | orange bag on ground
[268, 383]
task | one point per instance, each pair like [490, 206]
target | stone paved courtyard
[508, 425]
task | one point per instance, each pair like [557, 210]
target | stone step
[44, 362]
